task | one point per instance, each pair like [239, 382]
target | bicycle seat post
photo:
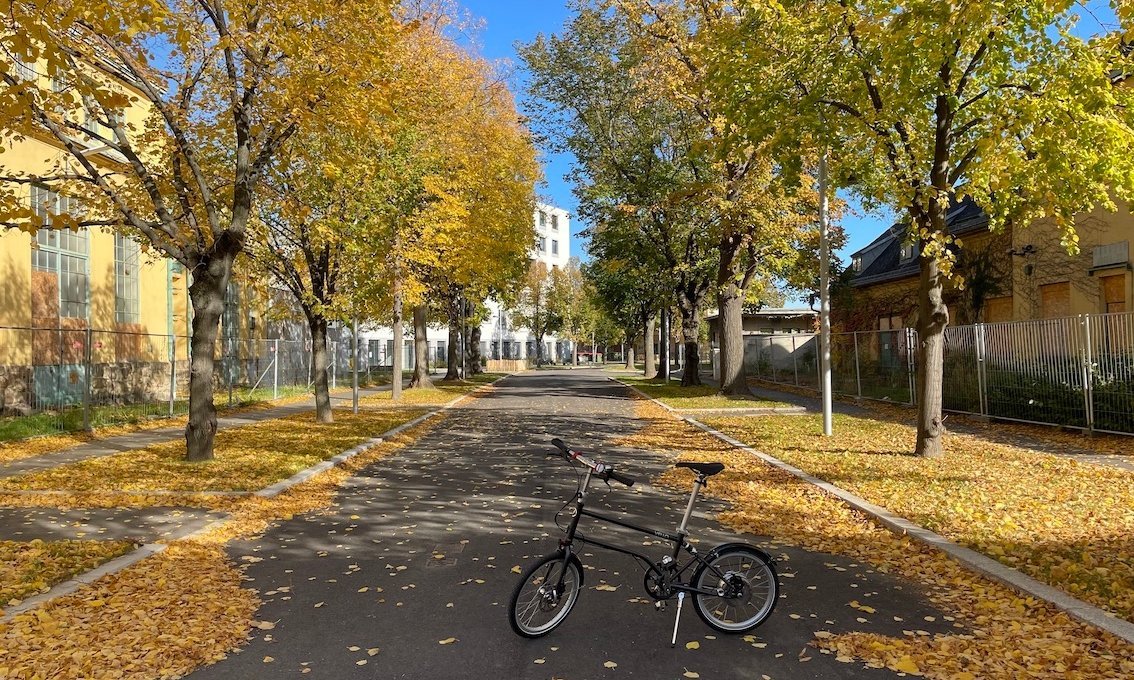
[697, 484]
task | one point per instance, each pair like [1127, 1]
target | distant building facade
[500, 339]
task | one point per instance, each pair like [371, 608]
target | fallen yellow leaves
[1000, 634]
[247, 458]
[1058, 520]
[29, 567]
[440, 394]
[159, 618]
[697, 397]
[175, 611]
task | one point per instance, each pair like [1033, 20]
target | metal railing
[71, 379]
[1073, 371]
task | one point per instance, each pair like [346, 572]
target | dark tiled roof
[964, 217]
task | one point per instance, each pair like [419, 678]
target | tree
[1000, 102]
[227, 83]
[760, 207]
[536, 305]
[640, 181]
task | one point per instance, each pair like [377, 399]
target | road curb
[1077, 609]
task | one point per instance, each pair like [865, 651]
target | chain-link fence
[69, 379]
[1074, 371]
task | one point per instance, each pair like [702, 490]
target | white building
[499, 338]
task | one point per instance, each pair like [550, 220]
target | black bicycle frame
[678, 539]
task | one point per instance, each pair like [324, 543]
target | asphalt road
[409, 576]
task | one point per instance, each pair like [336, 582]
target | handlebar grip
[560, 445]
[628, 481]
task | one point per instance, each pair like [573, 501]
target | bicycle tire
[750, 571]
[529, 598]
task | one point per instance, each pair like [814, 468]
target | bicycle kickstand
[677, 619]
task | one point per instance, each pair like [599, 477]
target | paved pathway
[421, 546]
[137, 440]
[141, 525]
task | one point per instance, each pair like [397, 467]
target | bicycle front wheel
[542, 599]
[746, 589]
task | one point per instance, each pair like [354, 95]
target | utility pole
[825, 296]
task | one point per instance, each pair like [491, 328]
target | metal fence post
[794, 361]
[857, 369]
[172, 374]
[911, 364]
[334, 363]
[89, 368]
[982, 375]
[276, 369]
[1088, 374]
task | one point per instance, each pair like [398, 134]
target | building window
[554, 222]
[543, 244]
[126, 256]
[909, 250]
[60, 256]
[1114, 293]
[554, 247]
[856, 264]
[25, 70]
[542, 218]
[1055, 300]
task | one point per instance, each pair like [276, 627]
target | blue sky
[509, 21]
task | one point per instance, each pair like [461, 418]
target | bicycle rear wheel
[542, 600]
[746, 586]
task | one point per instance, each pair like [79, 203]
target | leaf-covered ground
[1000, 635]
[246, 458]
[442, 392]
[1067, 523]
[172, 612]
[1005, 432]
[704, 396]
[29, 567]
[43, 444]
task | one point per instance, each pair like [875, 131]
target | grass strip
[30, 567]
[246, 458]
[1066, 523]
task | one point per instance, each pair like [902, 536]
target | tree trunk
[663, 347]
[399, 343]
[421, 347]
[651, 368]
[730, 304]
[473, 355]
[319, 364]
[932, 318]
[690, 329]
[574, 353]
[206, 293]
[630, 355]
[453, 356]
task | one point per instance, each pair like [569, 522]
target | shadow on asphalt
[422, 547]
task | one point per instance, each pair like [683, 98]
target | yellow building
[70, 298]
[1016, 275]
[89, 278]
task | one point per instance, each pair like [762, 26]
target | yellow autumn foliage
[999, 633]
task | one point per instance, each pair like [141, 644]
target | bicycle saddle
[706, 469]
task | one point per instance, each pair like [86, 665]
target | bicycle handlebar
[607, 472]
